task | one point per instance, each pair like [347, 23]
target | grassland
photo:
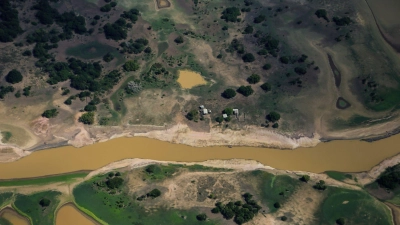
[5, 197]
[107, 208]
[28, 205]
[356, 207]
[3, 221]
[92, 50]
[338, 175]
[44, 180]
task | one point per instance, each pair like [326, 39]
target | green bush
[259, 19]
[179, 40]
[248, 30]
[90, 108]
[275, 125]
[154, 193]
[229, 93]
[192, 115]
[131, 65]
[340, 221]
[114, 183]
[50, 113]
[277, 205]
[267, 66]
[215, 210]
[248, 57]
[201, 217]
[44, 202]
[320, 185]
[245, 90]
[108, 57]
[228, 111]
[230, 14]
[322, 13]
[305, 178]
[283, 218]
[87, 118]
[273, 116]
[14, 76]
[253, 79]
[266, 87]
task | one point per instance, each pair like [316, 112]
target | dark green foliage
[118, 174]
[248, 30]
[266, 86]
[253, 79]
[9, 22]
[259, 19]
[87, 118]
[27, 53]
[275, 125]
[228, 111]
[114, 183]
[4, 90]
[50, 113]
[236, 45]
[225, 28]
[179, 40]
[131, 15]
[44, 202]
[116, 31]
[26, 91]
[342, 21]
[14, 76]
[108, 57]
[90, 108]
[322, 13]
[192, 115]
[267, 66]
[215, 210]
[248, 57]
[154, 193]
[271, 44]
[284, 59]
[229, 93]
[110, 174]
[18, 94]
[69, 21]
[245, 90]
[302, 58]
[131, 65]
[69, 100]
[277, 205]
[305, 178]
[113, 4]
[96, 17]
[390, 178]
[201, 217]
[283, 218]
[219, 119]
[320, 185]
[40, 50]
[152, 169]
[106, 8]
[273, 116]
[135, 47]
[147, 50]
[340, 221]
[300, 70]
[45, 13]
[230, 14]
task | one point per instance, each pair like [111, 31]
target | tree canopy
[229, 93]
[248, 57]
[322, 13]
[50, 113]
[253, 79]
[230, 14]
[245, 90]
[266, 86]
[273, 116]
[14, 76]
[9, 22]
[131, 65]
[44, 202]
[87, 118]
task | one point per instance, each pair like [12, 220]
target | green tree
[18, 94]
[14, 76]
[340, 221]
[219, 119]
[50, 113]
[230, 14]
[248, 57]
[201, 217]
[229, 93]
[87, 118]
[259, 19]
[90, 108]
[131, 65]
[228, 111]
[284, 59]
[273, 116]
[267, 66]
[253, 79]
[300, 70]
[245, 90]
[179, 40]
[154, 193]
[114, 182]
[277, 205]
[44, 202]
[320, 185]
[305, 178]
[108, 57]
[192, 115]
[266, 87]
[275, 125]
[322, 13]
[215, 210]
[283, 218]
[248, 30]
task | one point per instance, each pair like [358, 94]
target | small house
[205, 111]
[202, 107]
[236, 111]
[224, 116]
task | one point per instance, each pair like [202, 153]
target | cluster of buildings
[205, 111]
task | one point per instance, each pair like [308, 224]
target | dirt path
[395, 213]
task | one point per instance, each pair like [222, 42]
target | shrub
[248, 57]
[342, 21]
[90, 108]
[201, 217]
[245, 90]
[108, 57]
[152, 168]
[131, 65]
[267, 66]
[87, 118]
[50, 113]
[179, 40]
[284, 59]
[154, 193]
[283, 218]
[248, 30]
[106, 8]
[229, 93]
[27, 53]
[300, 70]
[259, 19]
[230, 14]
[322, 13]
[273, 116]
[18, 94]
[275, 125]
[266, 87]
[340, 221]
[305, 178]
[114, 183]
[277, 205]
[219, 119]
[253, 79]
[215, 210]
[14, 76]
[44, 202]
[320, 185]
[192, 115]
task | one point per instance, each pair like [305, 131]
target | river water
[188, 79]
[70, 215]
[346, 156]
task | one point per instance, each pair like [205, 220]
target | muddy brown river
[346, 156]
[188, 79]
